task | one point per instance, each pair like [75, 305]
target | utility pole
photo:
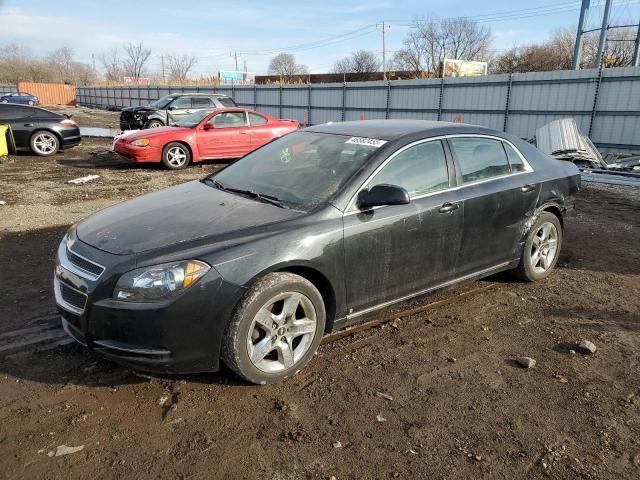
[603, 32]
[384, 50]
[636, 51]
[577, 51]
[235, 56]
[93, 61]
[162, 61]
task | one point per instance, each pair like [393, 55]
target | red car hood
[156, 132]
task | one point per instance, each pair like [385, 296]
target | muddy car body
[375, 212]
[170, 109]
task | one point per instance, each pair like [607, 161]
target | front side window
[162, 102]
[181, 102]
[419, 169]
[228, 120]
[480, 158]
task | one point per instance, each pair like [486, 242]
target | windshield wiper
[250, 193]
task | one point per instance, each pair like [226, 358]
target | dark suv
[171, 109]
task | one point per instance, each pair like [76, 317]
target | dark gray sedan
[253, 264]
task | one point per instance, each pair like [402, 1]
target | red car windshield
[192, 120]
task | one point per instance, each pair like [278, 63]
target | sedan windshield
[162, 102]
[301, 170]
[192, 120]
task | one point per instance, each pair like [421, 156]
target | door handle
[244, 133]
[527, 188]
[28, 124]
[449, 207]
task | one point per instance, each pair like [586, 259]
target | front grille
[72, 296]
[84, 264]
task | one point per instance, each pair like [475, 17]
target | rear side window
[228, 120]
[255, 119]
[11, 112]
[480, 158]
[201, 102]
[517, 165]
[419, 169]
[227, 102]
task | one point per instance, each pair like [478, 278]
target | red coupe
[204, 135]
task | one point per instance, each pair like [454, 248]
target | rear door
[497, 198]
[399, 250]
[229, 137]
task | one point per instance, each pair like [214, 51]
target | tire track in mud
[45, 333]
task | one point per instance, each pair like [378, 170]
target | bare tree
[136, 57]
[112, 65]
[429, 42]
[284, 66]
[179, 66]
[557, 53]
[360, 65]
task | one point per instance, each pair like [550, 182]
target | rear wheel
[176, 156]
[541, 249]
[276, 329]
[44, 143]
[30, 102]
[155, 124]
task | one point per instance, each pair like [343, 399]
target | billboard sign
[236, 78]
[143, 81]
[463, 68]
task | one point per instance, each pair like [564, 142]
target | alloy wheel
[44, 143]
[281, 332]
[544, 247]
[176, 156]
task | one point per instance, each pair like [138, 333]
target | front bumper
[177, 335]
[137, 154]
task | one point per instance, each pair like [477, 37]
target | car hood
[155, 132]
[176, 215]
[141, 108]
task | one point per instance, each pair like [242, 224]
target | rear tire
[44, 143]
[30, 102]
[541, 248]
[176, 156]
[275, 330]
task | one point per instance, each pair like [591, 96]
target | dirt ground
[433, 394]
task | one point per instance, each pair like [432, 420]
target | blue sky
[211, 30]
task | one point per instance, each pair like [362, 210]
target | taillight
[68, 123]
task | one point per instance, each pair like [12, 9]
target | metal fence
[605, 103]
[8, 89]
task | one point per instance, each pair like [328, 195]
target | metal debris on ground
[563, 140]
[88, 178]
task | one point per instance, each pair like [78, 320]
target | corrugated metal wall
[605, 104]
[50, 93]
[8, 89]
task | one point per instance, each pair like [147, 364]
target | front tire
[176, 156]
[275, 330]
[155, 124]
[541, 249]
[44, 143]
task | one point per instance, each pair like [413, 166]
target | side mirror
[172, 107]
[382, 195]
[207, 126]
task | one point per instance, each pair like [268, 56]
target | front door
[179, 109]
[229, 137]
[497, 199]
[395, 251]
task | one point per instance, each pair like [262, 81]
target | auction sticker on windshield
[372, 142]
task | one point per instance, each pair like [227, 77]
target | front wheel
[176, 156]
[155, 124]
[44, 143]
[275, 330]
[541, 249]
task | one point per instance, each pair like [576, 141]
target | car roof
[197, 94]
[395, 129]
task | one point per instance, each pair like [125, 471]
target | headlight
[159, 281]
[141, 142]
